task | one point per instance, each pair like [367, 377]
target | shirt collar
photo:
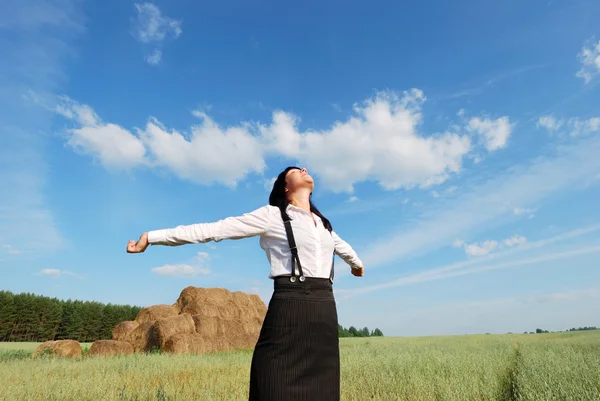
[297, 209]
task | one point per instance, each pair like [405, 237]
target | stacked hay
[224, 319]
[110, 348]
[155, 312]
[66, 348]
[163, 329]
[123, 330]
[202, 320]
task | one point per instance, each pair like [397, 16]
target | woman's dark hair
[279, 198]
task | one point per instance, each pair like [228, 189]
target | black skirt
[297, 355]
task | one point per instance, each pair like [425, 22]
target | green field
[560, 366]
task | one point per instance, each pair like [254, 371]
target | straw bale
[208, 326]
[141, 337]
[155, 312]
[123, 330]
[65, 348]
[227, 333]
[192, 299]
[163, 329]
[110, 348]
[185, 344]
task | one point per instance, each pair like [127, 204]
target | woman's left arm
[345, 251]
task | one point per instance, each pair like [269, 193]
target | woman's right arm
[244, 226]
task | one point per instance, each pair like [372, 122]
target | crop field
[553, 366]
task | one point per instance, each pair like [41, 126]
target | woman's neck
[301, 199]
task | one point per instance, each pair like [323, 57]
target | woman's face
[298, 178]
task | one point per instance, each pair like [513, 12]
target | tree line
[34, 318]
[354, 332]
[542, 331]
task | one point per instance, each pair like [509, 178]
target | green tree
[352, 330]
[377, 333]
[7, 314]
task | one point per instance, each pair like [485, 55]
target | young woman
[297, 356]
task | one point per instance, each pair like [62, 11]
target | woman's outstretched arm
[345, 251]
[246, 225]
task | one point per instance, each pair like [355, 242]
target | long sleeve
[237, 227]
[345, 251]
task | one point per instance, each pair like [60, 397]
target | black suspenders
[294, 250]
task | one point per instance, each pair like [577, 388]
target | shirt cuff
[156, 236]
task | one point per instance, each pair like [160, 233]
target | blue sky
[455, 147]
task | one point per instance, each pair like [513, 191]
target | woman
[297, 353]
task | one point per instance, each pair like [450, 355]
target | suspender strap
[294, 250]
[331, 273]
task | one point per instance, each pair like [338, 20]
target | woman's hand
[139, 246]
[360, 272]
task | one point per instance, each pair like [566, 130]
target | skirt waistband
[310, 288]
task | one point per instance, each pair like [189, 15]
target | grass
[561, 366]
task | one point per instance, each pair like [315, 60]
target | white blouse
[316, 245]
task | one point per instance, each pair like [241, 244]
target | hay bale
[123, 330]
[207, 326]
[63, 348]
[155, 312]
[110, 348]
[225, 320]
[163, 329]
[225, 334]
[141, 337]
[193, 299]
[185, 344]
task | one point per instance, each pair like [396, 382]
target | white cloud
[51, 272]
[113, 145]
[435, 194]
[568, 168]
[198, 268]
[515, 240]
[58, 273]
[489, 246]
[202, 257]
[575, 126]
[589, 57]
[549, 122]
[583, 127]
[352, 199]
[484, 248]
[151, 26]
[495, 133]
[519, 211]
[81, 113]
[180, 270]
[381, 143]
[154, 58]
[268, 183]
[211, 155]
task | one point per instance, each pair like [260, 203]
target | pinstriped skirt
[297, 357]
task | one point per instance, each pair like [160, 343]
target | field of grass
[561, 366]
